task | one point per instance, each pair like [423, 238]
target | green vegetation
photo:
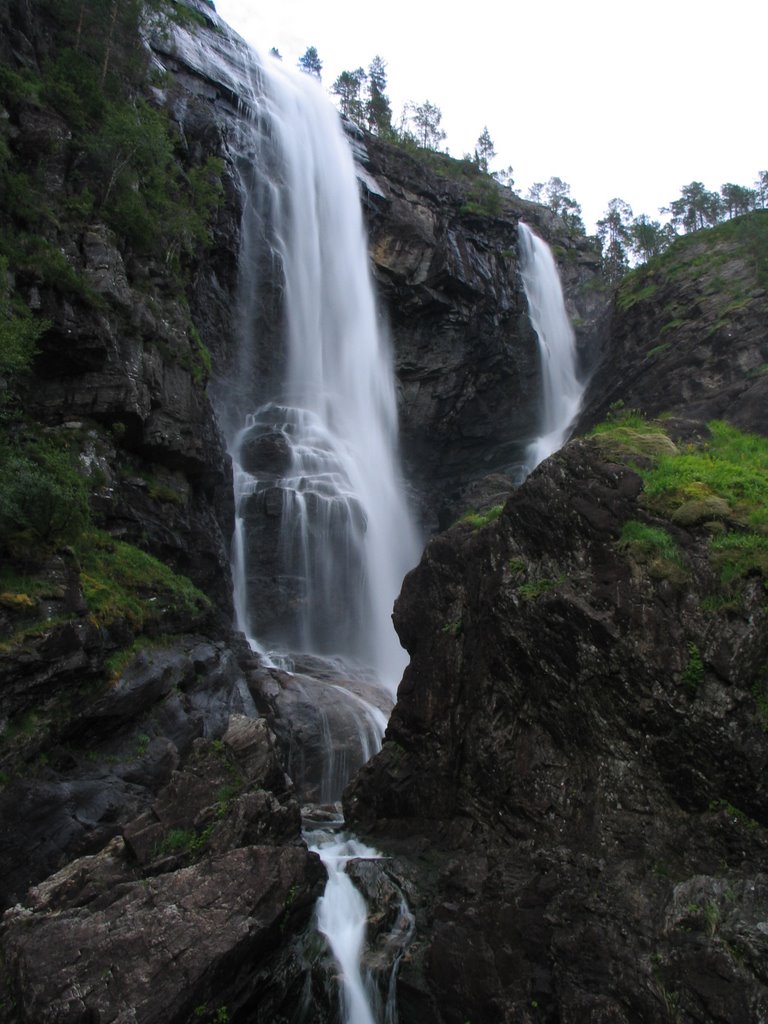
[654, 547]
[696, 256]
[123, 582]
[117, 662]
[455, 629]
[628, 435]
[693, 673]
[532, 589]
[732, 466]
[43, 498]
[184, 842]
[479, 519]
[649, 541]
[125, 163]
[738, 815]
[723, 482]
[483, 198]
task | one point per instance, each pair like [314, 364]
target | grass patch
[738, 555]
[653, 546]
[658, 349]
[722, 481]
[533, 589]
[184, 841]
[732, 466]
[117, 662]
[631, 291]
[479, 519]
[121, 581]
[628, 435]
[649, 541]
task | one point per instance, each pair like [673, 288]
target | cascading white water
[346, 538]
[561, 389]
[323, 535]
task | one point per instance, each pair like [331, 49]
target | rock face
[688, 334]
[159, 924]
[466, 357]
[582, 812]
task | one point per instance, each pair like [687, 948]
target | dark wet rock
[553, 783]
[94, 753]
[157, 949]
[328, 721]
[466, 358]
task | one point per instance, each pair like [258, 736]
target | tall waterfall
[561, 389]
[323, 535]
[320, 503]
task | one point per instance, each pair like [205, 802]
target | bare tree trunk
[110, 38]
[80, 20]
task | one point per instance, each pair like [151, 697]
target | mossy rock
[703, 510]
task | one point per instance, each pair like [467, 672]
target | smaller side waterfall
[562, 390]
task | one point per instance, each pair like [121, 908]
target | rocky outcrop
[189, 913]
[94, 750]
[466, 357]
[688, 331]
[573, 776]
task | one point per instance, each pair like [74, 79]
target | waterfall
[561, 389]
[323, 535]
[315, 459]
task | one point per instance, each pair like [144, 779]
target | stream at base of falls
[367, 979]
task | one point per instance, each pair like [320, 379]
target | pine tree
[347, 87]
[310, 62]
[377, 110]
[613, 230]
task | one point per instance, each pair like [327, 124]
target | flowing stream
[323, 533]
[561, 389]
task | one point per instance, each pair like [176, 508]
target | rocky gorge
[570, 792]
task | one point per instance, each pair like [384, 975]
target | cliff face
[445, 255]
[573, 775]
[687, 331]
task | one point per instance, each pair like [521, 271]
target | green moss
[184, 841]
[533, 589]
[201, 357]
[628, 434]
[721, 482]
[738, 555]
[693, 673]
[658, 349]
[633, 290]
[455, 629]
[121, 581]
[732, 466]
[119, 660]
[479, 519]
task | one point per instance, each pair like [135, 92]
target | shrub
[43, 499]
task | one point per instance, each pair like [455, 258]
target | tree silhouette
[310, 62]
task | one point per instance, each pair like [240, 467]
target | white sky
[618, 99]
